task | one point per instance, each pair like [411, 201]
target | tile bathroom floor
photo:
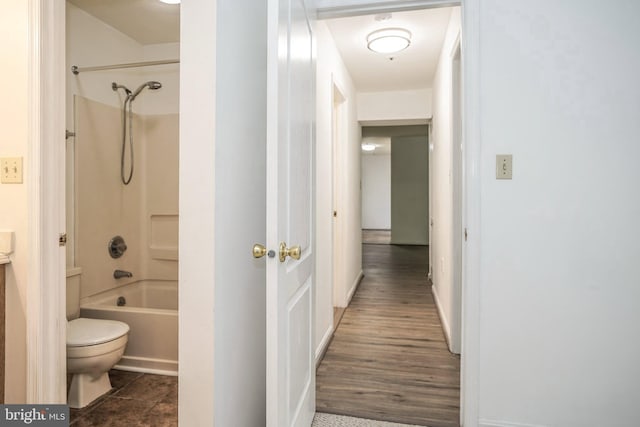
[136, 400]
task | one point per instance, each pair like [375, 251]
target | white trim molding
[352, 291]
[471, 199]
[379, 7]
[324, 343]
[443, 319]
[46, 289]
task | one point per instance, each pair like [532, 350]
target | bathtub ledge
[74, 271]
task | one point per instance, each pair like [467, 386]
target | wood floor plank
[388, 359]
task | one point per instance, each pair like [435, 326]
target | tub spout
[118, 274]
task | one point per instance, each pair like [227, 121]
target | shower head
[151, 85]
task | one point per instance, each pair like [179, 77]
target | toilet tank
[73, 293]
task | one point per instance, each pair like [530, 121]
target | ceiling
[151, 22]
[145, 21]
[413, 68]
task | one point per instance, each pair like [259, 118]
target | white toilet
[93, 347]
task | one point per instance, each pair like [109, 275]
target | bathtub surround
[149, 211]
[144, 213]
[92, 42]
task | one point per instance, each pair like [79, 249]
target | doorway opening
[122, 145]
[441, 119]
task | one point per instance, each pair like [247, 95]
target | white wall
[440, 163]
[330, 70]
[14, 211]
[394, 107]
[559, 283]
[240, 280]
[376, 190]
[198, 23]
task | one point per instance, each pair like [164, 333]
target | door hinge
[465, 234]
[62, 240]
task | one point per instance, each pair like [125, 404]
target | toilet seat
[84, 332]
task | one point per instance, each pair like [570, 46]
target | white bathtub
[151, 311]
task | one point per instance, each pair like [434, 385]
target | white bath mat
[330, 420]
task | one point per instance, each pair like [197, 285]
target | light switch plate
[11, 170]
[504, 166]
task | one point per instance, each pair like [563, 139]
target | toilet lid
[82, 332]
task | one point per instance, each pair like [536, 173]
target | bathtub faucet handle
[118, 274]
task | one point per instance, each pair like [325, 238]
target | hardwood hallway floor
[388, 359]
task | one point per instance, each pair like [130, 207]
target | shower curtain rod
[77, 70]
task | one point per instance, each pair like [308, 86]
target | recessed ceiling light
[389, 40]
[368, 147]
[170, 1]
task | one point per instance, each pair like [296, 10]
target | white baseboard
[494, 423]
[443, 319]
[148, 365]
[324, 343]
[354, 286]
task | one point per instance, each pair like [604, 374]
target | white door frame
[45, 177]
[338, 111]
[469, 396]
[457, 222]
[47, 286]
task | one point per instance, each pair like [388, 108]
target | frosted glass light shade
[389, 40]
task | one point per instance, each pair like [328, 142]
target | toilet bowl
[93, 347]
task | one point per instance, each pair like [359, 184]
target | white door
[290, 145]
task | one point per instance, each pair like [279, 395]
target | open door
[290, 215]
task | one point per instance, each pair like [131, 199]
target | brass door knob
[259, 250]
[294, 252]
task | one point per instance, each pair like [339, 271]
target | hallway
[388, 359]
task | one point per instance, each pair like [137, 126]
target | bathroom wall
[160, 210]
[99, 206]
[14, 204]
[104, 206]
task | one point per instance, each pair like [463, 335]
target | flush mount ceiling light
[389, 40]
[170, 1]
[368, 147]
